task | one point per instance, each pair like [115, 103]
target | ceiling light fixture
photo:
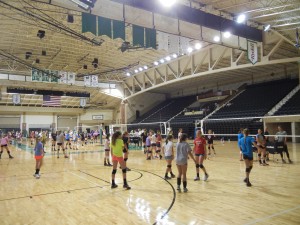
[127, 74]
[198, 46]
[267, 27]
[168, 58]
[162, 61]
[145, 67]
[136, 70]
[155, 63]
[241, 18]
[216, 38]
[174, 56]
[141, 69]
[190, 49]
[227, 34]
[167, 3]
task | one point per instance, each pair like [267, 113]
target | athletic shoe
[160, 157]
[206, 177]
[109, 164]
[178, 189]
[167, 178]
[267, 159]
[265, 164]
[290, 161]
[66, 156]
[245, 180]
[283, 161]
[248, 184]
[114, 186]
[197, 178]
[149, 158]
[105, 164]
[173, 176]
[127, 169]
[37, 176]
[126, 187]
[241, 160]
[185, 190]
[11, 157]
[58, 156]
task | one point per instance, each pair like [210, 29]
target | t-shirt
[148, 141]
[106, 144]
[125, 140]
[240, 136]
[168, 148]
[38, 149]
[182, 150]
[158, 138]
[61, 138]
[279, 137]
[117, 150]
[144, 137]
[199, 144]
[261, 139]
[153, 139]
[246, 146]
[4, 141]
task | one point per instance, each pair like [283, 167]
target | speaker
[137, 114]
[70, 18]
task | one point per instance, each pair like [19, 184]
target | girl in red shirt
[200, 154]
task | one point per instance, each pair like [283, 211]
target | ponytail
[246, 133]
[115, 137]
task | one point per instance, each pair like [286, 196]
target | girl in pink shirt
[4, 144]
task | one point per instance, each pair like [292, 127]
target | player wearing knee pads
[200, 154]
[168, 151]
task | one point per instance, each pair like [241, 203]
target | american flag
[49, 100]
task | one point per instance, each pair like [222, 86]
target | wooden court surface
[77, 190]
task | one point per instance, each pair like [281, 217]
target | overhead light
[37, 60]
[227, 34]
[162, 61]
[190, 49]
[198, 46]
[155, 63]
[136, 70]
[241, 18]
[140, 69]
[127, 74]
[267, 27]
[216, 38]
[168, 58]
[145, 67]
[85, 67]
[80, 4]
[174, 56]
[167, 3]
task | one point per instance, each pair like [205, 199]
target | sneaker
[267, 159]
[248, 184]
[167, 178]
[245, 180]
[149, 158]
[58, 156]
[185, 190]
[173, 176]
[160, 157]
[197, 178]
[11, 157]
[109, 164]
[125, 186]
[265, 164]
[66, 156]
[105, 164]
[290, 161]
[241, 160]
[127, 169]
[37, 176]
[206, 177]
[114, 186]
[283, 161]
[178, 189]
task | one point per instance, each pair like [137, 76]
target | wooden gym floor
[77, 190]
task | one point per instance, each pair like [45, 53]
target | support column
[54, 123]
[23, 125]
[299, 71]
[293, 128]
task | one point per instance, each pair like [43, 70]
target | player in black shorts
[144, 137]
[53, 135]
[210, 141]
[126, 140]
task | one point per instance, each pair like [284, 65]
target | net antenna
[163, 127]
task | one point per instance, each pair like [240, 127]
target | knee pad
[125, 159]
[208, 147]
[248, 170]
[201, 166]
[124, 170]
[259, 155]
[149, 151]
[114, 171]
[169, 166]
[197, 165]
[213, 147]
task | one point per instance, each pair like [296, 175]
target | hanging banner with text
[252, 52]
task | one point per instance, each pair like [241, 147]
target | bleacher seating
[291, 107]
[256, 100]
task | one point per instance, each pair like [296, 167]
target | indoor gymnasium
[181, 112]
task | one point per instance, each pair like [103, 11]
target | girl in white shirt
[168, 150]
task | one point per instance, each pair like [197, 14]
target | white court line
[84, 179]
[273, 215]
